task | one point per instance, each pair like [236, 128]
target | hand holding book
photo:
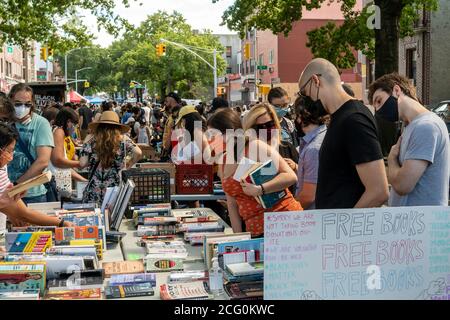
[251, 189]
[6, 200]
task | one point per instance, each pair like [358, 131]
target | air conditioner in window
[271, 69]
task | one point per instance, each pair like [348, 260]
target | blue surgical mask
[281, 112]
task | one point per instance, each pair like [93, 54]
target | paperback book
[197, 290]
[163, 265]
[123, 267]
[83, 294]
[18, 276]
[17, 242]
[128, 279]
[129, 290]
[245, 290]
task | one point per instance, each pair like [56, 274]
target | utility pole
[189, 49]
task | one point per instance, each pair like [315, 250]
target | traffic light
[221, 91]
[160, 50]
[247, 51]
[44, 53]
[86, 84]
[50, 52]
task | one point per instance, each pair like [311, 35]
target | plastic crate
[151, 185]
[194, 179]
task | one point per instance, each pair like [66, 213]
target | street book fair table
[138, 246]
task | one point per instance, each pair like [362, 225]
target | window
[229, 70]
[271, 56]
[252, 66]
[1, 67]
[411, 65]
[229, 51]
[261, 59]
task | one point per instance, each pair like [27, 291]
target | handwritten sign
[383, 253]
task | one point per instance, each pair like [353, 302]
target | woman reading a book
[13, 207]
[243, 205]
[106, 152]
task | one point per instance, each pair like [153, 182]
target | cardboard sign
[383, 253]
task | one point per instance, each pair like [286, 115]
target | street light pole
[187, 48]
[65, 62]
[76, 76]
[215, 73]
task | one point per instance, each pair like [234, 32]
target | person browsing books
[351, 167]
[62, 160]
[242, 205]
[34, 145]
[105, 152]
[312, 129]
[418, 164]
[14, 208]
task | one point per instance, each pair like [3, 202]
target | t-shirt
[37, 133]
[87, 115]
[351, 139]
[4, 182]
[308, 163]
[426, 138]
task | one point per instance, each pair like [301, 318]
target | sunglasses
[302, 92]
[267, 125]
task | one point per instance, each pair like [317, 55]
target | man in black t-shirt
[86, 116]
[351, 168]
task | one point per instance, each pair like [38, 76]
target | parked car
[442, 109]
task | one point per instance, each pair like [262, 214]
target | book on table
[41, 179]
[196, 290]
[246, 268]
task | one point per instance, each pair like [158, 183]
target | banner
[382, 253]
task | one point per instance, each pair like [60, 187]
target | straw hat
[185, 111]
[109, 117]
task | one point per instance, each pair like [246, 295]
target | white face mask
[21, 111]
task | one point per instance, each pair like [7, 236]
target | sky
[200, 14]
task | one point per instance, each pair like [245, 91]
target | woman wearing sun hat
[105, 151]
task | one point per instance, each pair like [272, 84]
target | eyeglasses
[302, 92]
[267, 125]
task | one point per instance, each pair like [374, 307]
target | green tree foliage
[56, 22]
[333, 42]
[133, 58]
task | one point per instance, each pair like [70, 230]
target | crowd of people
[325, 145]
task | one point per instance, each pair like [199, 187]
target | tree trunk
[387, 38]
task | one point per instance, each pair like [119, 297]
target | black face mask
[389, 110]
[316, 108]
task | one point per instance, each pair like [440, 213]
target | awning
[97, 100]
[76, 97]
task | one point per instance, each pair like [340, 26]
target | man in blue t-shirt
[34, 147]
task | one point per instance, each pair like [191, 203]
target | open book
[30, 183]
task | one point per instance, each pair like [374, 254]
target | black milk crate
[151, 185]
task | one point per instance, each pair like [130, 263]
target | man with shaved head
[351, 167]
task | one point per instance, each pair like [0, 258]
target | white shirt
[147, 112]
